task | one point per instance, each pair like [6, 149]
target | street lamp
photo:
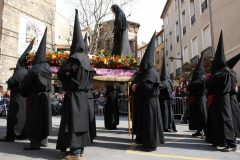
[172, 58]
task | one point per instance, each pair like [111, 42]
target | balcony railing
[184, 30]
[178, 71]
[193, 19]
[208, 52]
[172, 76]
[194, 60]
[204, 6]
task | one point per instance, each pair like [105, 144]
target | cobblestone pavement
[118, 145]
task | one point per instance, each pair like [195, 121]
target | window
[157, 57]
[177, 31]
[175, 4]
[178, 62]
[185, 54]
[203, 5]
[194, 46]
[183, 23]
[206, 37]
[192, 11]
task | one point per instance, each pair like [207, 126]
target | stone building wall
[10, 13]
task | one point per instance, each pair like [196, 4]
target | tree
[92, 14]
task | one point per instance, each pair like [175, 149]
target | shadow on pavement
[16, 148]
[114, 146]
[114, 139]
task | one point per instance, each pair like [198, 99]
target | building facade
[106, 36]
[193, 26]
[159, 50]
[187, 32]
[225, 17]
[21, 21]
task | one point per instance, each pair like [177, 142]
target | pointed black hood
[164, 75]
[219, 60]
[233, 61]
[148, 57]
[22, 61]
[40, 55]
[78, 44]
[198, 71]
[86, 43]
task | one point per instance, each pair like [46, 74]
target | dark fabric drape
[111, 109]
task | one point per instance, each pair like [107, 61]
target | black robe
[151, 119]
[74, 126]
[165, 104]
[137, 111]
[111, 111]
[235, 104]
[220, 123]
[197, 105]
[17, 107]
[36, 86]
[92, 119]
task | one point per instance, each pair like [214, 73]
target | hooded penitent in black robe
[76, 76]
[198, 99]
[36, 86]
[147, 89]
[111, 111]
[17, 107]
[165, 100]
[233, 95]
[121, 44]
[220, 128]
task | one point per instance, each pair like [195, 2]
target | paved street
[117, 145]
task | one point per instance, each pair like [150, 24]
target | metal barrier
[179, 106]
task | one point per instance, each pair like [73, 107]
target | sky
[145, 12]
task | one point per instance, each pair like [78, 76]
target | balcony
[208, 52]
[193, 19]
[177, 38]
[204, 6]
[184, 30]
[178, 71]
[194, 60]
[172, 76]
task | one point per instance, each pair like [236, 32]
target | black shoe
[82, 152]
[167, 130]
[229, 149]
[148, 148]
[197, 134]
[174, 130]
[44, 145]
